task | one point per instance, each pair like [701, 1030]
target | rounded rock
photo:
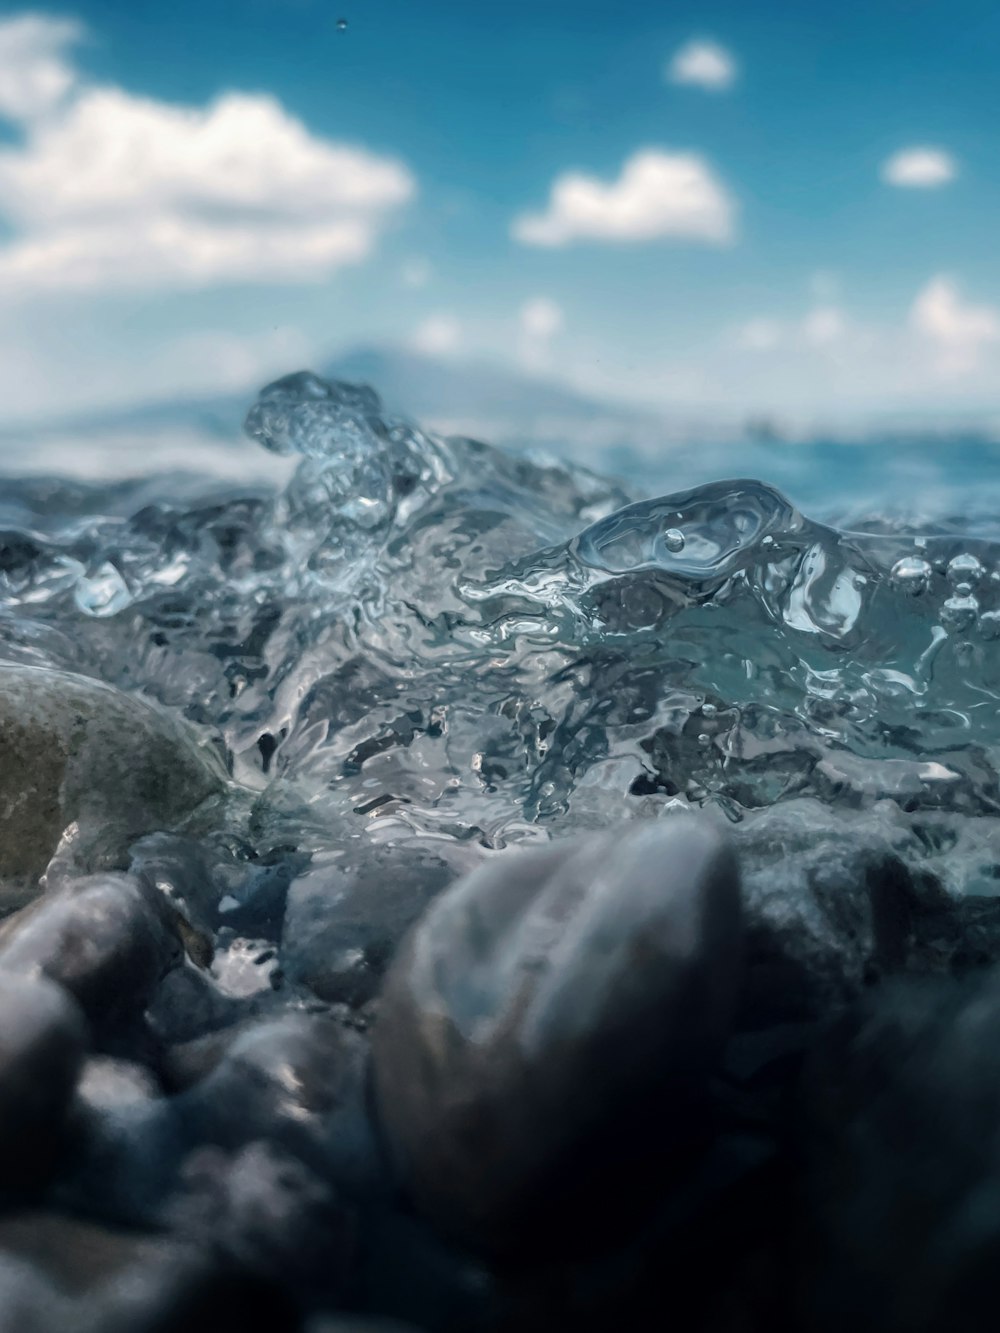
[99, 937]
[89, 766]
[545, 1036]
[43, 1040]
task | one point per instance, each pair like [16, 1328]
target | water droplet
[910, 575]
[958, 613]
[989, 625]
[965, 568]
[342, 25]
[673, 539]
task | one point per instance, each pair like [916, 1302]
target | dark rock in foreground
[545, 1038]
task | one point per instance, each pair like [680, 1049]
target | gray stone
[28, 1303]
[900, 1163]
[108, 1085]
[101, 937]
[81, 759]
[544, 1037]
[263, 1210]
[76, 1254]
[299, 1082]
[43, 1039]
[345, 918]
[835, 901]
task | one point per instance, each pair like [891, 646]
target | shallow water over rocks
[252, 741]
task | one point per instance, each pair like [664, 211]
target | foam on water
[426, 638]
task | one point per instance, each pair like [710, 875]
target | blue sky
[778, 208]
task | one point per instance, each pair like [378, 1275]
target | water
[433, 642]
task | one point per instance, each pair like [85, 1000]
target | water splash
[426, 638]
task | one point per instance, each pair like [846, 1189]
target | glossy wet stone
[837, 901]
[43, 1040]
[346, 917]
[101, 938]
[544, 1038]
[107, 766]
[264, 1211]
[296, 1081]
[900, 1162]
[28, 1302]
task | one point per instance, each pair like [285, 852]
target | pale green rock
[87, 769]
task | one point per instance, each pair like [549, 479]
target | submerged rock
[544, 1038]
[101, 937]
[43, 1040]
[344, 920]
[91, 766]
[900, 1166]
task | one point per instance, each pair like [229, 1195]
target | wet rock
[28, 1303]
[75, 1254]
[100, 938]
[900, 1164]
[181, 1290]
[264, 1211]
[836, 901]
[345, 919]
[108, 1085]
[356, 1324]
[828, 901]
[188, 1004]
[43, 1040]
[81, 759]
[297, 1081]
[544, 1038]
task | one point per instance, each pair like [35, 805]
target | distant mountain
[452, 396]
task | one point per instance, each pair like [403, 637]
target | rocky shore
[605, 1082]
[451, 895]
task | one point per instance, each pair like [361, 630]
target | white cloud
[438, 335]
[34, 72]
[919, 168]
[702, 64]
[110, 190]
[658, 194]
[759, 335]
[541, 318]
[823, 326]
[221, 360]
[416, 272]
[958, 331]
[540, 321]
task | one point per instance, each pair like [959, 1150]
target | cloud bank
[108, 190]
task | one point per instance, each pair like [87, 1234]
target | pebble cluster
[575, 1086]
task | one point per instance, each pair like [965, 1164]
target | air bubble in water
[708, 710]
[673, 540]
[989, 625]
[342, 25]
[965, 568]
[910, 575]
[958, 613]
